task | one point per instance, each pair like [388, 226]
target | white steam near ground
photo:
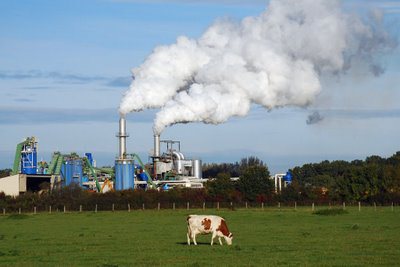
[273, 60]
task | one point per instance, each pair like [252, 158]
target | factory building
[170, 168]
[26, 174]
[64, 169]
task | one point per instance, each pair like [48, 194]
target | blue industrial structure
[77, 172]
[288, 177]
[72, 171]
[124, 174]
[25, 160]
[29, 158]
[90, 158]
[66, 169]
[66, 172]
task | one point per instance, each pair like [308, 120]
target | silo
[197, 169]
[124, 174]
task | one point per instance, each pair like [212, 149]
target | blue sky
[64, 66]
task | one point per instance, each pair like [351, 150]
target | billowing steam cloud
[273, 60]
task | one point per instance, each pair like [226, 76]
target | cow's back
[204, 223]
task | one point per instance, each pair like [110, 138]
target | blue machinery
[70, 168]
[25, 161]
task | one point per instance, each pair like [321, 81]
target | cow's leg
[214, 235]
[194, 238]
[188, 234]
[219, 239]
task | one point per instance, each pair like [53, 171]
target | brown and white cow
[206, 224]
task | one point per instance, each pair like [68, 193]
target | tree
[221, 188]
[213, 169]
[248, 162]
[254, 181]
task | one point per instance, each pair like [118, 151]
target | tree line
[374, 179]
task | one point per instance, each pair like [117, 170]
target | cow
[206, 224]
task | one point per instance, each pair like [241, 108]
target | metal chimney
[156, 145]
[122, 135]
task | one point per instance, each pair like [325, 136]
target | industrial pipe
[156, 145]
[122, 135]
[178, 155]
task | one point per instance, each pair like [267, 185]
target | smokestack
[156, 145]
[122, 135]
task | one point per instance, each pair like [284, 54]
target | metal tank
[124, 174]
[197, 169]
[77, 171]
[178, 166]
[66, 171]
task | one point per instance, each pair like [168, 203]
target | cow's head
[229, 238]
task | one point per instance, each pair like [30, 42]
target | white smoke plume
[273, 60]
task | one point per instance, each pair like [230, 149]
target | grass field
[268, 237]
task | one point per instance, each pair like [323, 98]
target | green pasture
[268, 237]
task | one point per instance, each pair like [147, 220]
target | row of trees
[374, 179]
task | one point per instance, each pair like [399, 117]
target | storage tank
[197, 169]
[72, 171]
[66, 171]
[124, 174]
[178, 165]
[77, 171]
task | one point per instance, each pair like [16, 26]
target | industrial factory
[167, 169]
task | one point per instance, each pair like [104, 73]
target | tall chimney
[156, 145]
[122, 135]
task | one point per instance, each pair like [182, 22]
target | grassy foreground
[268, 237]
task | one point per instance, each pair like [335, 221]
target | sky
[65, 65]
